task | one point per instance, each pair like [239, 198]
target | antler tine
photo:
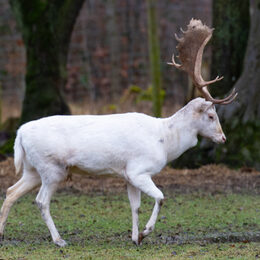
[230, 100]
[227, 100]
[177, 38]
[173, 63]
[182, 31]
[200, 82]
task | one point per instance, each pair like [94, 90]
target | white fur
[132, 145]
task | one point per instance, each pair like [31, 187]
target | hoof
[135, 242]
[140, 238]
[1, 238]
[60, 242]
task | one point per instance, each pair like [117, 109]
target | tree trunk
[46, 28]
[231, 20]
[247, 105]
[114, 44]
[154, 54]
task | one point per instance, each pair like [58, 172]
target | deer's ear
[203, 107]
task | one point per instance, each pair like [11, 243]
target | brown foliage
[209, 178]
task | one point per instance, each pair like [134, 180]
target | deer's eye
[211, 117]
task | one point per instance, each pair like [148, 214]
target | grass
[98, 227]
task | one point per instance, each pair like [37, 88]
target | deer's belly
[96, 172]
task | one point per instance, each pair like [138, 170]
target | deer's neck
[179, 134]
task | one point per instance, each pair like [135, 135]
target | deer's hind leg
[134, 196]
[51, 178]
[29, 180]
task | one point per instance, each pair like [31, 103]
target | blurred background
[110, 56]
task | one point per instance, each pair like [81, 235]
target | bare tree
[46, 29]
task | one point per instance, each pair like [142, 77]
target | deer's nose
[224, 138]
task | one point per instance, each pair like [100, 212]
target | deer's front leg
[144, 183]
[149, 227]
[134, 196]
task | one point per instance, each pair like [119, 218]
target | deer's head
[191, 47]
[205, 119]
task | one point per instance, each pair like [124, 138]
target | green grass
[98, 227]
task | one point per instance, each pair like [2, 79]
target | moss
[10, 125]
[42, 98]
[9, 128]
[7, 148]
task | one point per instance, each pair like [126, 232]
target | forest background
[99, 57]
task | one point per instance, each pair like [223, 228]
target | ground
[210, 213]
[209, 178]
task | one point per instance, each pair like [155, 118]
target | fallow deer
[134, 146]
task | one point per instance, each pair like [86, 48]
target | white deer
[134, 146]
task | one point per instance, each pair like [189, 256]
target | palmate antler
[191, 47]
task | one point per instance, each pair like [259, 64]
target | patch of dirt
[209, 178]
[228, 237]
